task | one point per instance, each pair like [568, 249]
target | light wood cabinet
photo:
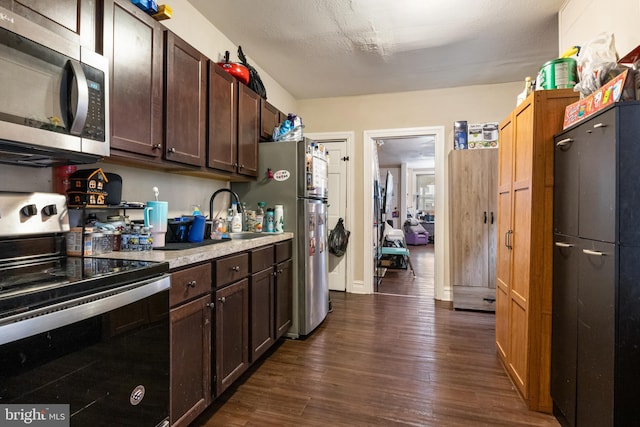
[525, 248]
[472, 195]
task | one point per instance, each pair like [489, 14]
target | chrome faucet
[224, 190]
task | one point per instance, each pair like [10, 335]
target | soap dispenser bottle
[236, 221]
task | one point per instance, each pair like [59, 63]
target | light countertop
[181, 258]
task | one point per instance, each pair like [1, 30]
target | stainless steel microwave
[53, 97]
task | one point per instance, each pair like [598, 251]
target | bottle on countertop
[229, 219]
[236, 220]
[278, 219]
[245, 226]
[259, 217]
[269, 219]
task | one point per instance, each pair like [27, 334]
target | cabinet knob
[236, 268]
[211, 305]
[241, 166]
[222, 299]
[156, 146]
[280, 271]
[191, 283]
[172, 150]
[235, 165]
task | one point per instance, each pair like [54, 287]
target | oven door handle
[44, 319]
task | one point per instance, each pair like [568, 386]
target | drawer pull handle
[222, 299]
[563, 245]
[564, 142]
[594, 253]
[172, 150]
[192, 283]
[599, 125]
[236, 268]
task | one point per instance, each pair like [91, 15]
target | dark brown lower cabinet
[262, 330]
[283, 297]
[231, 333]
[190, 360]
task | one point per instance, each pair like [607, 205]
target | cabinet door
[471, 172]
[598, 178]
[269, 119]
[283, 297]
[185, 101]
[248, 131]
[566, 185]
[596, 333]
[136, 73]
[566, 252]
[190, 360]
[503, 262]
[521, 247]
[223, 119]
[261, 295]
[232, 333]
[75, 20]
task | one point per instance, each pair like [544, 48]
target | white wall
[581, 20]
[440, 107]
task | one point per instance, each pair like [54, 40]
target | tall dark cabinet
[595, 364]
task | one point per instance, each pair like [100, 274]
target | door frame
[349, 138]
[441, 243]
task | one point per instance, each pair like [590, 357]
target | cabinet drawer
[283, 250]
[189, 283]
[261, 258]
[231, 268]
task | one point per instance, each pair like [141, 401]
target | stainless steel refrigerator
[295, 174]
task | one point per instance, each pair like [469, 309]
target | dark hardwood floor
[394, 358]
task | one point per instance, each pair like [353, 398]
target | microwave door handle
[82, 102]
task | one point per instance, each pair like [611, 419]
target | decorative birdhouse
[87, 188]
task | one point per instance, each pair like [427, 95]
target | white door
[337, 207]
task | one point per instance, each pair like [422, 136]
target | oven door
[105, 355]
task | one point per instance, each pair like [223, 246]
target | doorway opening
[371, 138]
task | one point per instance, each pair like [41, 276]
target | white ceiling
[327, 48]
[331, 48]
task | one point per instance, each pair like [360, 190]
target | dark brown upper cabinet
[185, 102]
[248, 131]
[75, 20]
[234, 120]
[133, 42]
[223, 120]
[269, 119]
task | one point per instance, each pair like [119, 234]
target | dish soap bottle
[236, 220]
[259, 217]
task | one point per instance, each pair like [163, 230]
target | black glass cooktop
[30, 285]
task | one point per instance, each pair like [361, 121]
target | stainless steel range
[91, 333]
